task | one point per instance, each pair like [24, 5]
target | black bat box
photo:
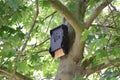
[59, 41]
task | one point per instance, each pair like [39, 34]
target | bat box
[59, 41]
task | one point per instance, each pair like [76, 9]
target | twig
[32, 26]
[42, 42]
[106, 19]
[112, 16]
[46, 50]
[113, 7]
[49, 23]
[107, 55]
[106, 26]
[49, 15]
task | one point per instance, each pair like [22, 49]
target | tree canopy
[24, 37]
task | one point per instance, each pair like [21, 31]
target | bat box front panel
[56, 39]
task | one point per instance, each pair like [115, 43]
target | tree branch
[104, 26]
[32, 26]
[113, 18]
[83, 4]
[49, 15]
[41, 43]
[102, 66]
[96, 12]
[70, 17]
[22, 76]
[27, 38]
[5, 73]
[46, 50]
[17, 76]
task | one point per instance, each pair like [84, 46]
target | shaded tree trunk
[69, 65]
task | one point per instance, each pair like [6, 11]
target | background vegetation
[24, 40]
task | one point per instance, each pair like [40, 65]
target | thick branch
[102, 66]
[22, 76]
[5, 73]
[96, 12]
[83, 4]
[70, 17]
[17, 76]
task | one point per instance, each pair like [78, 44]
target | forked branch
[70, 17]
[96, 12]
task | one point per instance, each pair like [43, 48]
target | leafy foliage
[102, 42]
[16, 16]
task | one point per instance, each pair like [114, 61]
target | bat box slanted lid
[59, 40]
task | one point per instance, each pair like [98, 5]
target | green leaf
[46, 3]
[34, 58]
[10, 66]
[22, 66]
[72, 6]
[101, 53]
[15, 3]
[93, 2]
[85, 34]
[92, 46]
[11, 53]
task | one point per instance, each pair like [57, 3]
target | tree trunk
[70, 66]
